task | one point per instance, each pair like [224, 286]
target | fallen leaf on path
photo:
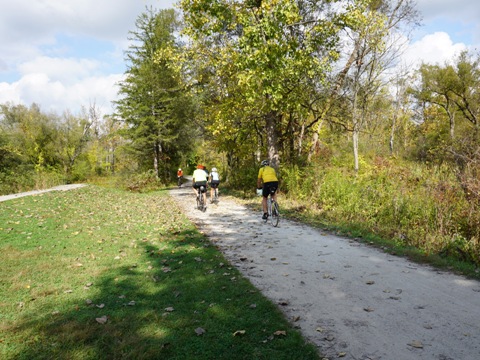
[368, 309]
[102, 320]
[370, 282]
[280, 333]
[239, 333]
[416, 344]
[199, 331]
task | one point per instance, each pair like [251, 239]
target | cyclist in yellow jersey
[268, 178]
[200, 179]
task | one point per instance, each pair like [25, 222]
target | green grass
[70, 258]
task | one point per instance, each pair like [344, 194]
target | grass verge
[100, 273]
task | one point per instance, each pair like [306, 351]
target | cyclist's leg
[204, 195]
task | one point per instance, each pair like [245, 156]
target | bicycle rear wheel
[202, 206]
[275, 214]
[198, 201]
[269, 210]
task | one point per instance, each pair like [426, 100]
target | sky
[65, 55]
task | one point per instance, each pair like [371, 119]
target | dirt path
[35, 192]
[353, 301]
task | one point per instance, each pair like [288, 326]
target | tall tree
[265, 57]
[153, 103]
[374, 44]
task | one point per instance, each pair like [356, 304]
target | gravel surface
[36, 192]
[351, 300]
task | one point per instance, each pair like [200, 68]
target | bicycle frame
[272, 210]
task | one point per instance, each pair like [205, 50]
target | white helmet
[214, 169]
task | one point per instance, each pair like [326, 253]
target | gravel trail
[351, 300]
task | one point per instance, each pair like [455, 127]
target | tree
[264, 58]
[374, 46]
[154, 105]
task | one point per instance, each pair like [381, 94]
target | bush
[142, 182]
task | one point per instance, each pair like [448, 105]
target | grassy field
[104, 274]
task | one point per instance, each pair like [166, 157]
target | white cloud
[68, 54]
[65, 69]
[55, 96]
[434, 48]
[38, 59]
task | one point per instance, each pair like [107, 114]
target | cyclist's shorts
[214, 184]
[269, 187]
[197, 185]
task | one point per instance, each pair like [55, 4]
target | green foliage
[153, 103]
[140, 182]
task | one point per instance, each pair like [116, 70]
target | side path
[35, 192]
[352, 301]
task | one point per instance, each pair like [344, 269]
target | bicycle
[272, 209]
[215, 195]
[180, 181]
[200, 200]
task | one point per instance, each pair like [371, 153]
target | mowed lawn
[97, 273]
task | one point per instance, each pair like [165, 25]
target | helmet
[265, 162]
[199, 166]
[179, 169]
[214, 169]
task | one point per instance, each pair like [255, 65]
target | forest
[358, 138]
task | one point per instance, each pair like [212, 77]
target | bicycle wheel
[269, 210]
[275, 214]
[202, 206]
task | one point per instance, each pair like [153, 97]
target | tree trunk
[356, 131]
[355, 147]
[272, 121]
[392, 133]
[156, 159]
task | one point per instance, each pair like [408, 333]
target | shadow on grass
[181, 301]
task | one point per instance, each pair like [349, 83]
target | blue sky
[68, 54]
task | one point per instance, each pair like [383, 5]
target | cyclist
[200, 179]
[268, 178]
[179, 176]
[214, 180]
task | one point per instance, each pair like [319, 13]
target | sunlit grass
[71, 258]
